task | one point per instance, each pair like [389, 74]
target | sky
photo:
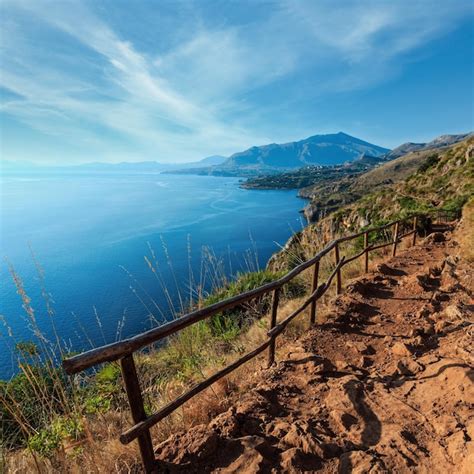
[175, 81]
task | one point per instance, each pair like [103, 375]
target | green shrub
[430, 161]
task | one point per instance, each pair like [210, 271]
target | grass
[54, 422]
[49, 420]
[465, 233]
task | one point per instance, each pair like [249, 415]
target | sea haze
[90, 233]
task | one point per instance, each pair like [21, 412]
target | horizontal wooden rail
[124, 350]
[120, 349]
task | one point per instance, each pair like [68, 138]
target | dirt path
[386, 385]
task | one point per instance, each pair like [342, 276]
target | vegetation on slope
[47, 413]
[310, 175]
[443, 180]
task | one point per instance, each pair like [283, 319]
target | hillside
[378, 388]
[443, 140]
[440, 179]
[307, 176]
[329, 188]
[326, 197]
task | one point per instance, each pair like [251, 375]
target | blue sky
[116, 80]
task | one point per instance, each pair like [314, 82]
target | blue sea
[90, 233]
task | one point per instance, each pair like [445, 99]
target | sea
[92, 258]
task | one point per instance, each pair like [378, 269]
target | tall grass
[54, 422]
[49, 420]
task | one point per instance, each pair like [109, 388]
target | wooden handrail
[117, 350]
[124, 350]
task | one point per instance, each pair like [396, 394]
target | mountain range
[134, 167]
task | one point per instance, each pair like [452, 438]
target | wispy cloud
[75, 76]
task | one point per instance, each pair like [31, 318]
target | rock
[441, 296]
[359, 462]
[294, 461]
[341, 364]
[453, 312]
[428, 359]
[435, 237]
[417, 341]
[196, 444]
[365, 361]
[435, 270]
[251, 460]
[445, 425]
[456, 445]
[400, 349]
[361, 347]
[423, 312]
[440, 326]
[225, 424]
[407, 366]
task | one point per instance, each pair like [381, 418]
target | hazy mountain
[323, 150]
[213, 160]
[125, 166]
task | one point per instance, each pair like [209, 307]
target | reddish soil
[385, 385]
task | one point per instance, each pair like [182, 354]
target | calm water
[90, 234]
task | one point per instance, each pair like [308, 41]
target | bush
[430, 161]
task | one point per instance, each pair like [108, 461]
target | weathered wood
[338, 279]
[135, 400]
[415, 224]
[315, 295]
[395, 240]
[273, 321]
[116, 350]
[366, 245]
[314, 286]
[124, 350]
[119, 349]
[143, 426]
[356, 256]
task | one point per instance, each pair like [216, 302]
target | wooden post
[415, 224]
[135, 401]
[273, 320]
[395, 240]
[314, 285]
[366, 245]
[338, 276]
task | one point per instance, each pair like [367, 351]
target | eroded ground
[386, 385]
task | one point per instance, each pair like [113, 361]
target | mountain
[213, 160]
[322, 150]
[441, 141]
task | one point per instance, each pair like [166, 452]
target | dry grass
[465, 231]
[97, 448]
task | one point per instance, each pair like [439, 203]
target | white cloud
[196, 98]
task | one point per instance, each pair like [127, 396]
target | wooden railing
[124, 350]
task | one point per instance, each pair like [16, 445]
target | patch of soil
[385, 385]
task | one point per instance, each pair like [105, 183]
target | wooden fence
[124, 350]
